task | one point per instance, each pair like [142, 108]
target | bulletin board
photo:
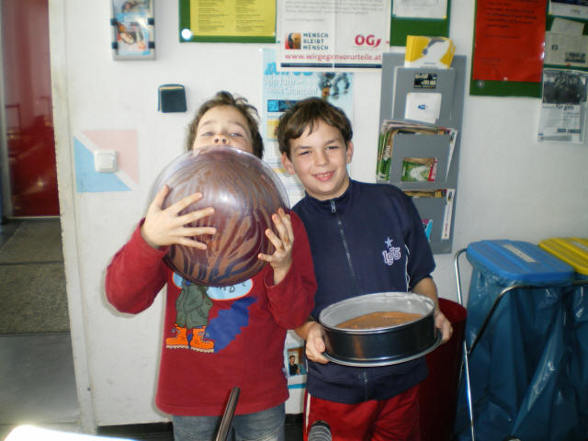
[225, 21]
[544, 24]
[400, 27]
[505, 88]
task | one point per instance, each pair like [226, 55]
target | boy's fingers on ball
[185, 202]
[192, 243]
[198, 231]
[199, 214]
[159, 197]
[275, 240]
[264, 257]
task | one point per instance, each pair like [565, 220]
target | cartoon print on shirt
[228, 323]
[194, 329]
[391, 253]
[192, 308]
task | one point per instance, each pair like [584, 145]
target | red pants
[395, 419]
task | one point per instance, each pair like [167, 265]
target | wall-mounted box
[171, 98]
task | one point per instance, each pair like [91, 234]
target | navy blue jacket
[370, 239]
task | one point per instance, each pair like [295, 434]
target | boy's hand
[315, 343]
[167, 227]
[281, 260]
[444, 326]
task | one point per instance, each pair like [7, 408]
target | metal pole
[465, 350]
[227, 419]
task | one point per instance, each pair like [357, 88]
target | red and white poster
[329, 35]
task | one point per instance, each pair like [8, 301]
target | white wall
[509, 185]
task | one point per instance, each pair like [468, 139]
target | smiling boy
[365, 238]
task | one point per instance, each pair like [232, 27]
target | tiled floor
[36, 368]
[37, 382]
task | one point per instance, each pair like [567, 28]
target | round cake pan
[379, 346]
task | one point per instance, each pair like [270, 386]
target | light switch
[105, 161]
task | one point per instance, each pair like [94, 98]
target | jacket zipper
[345, 246]
[364, 375]
[365, 384]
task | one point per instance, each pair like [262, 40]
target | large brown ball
[244, 192]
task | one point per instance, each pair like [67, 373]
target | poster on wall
[283, 89]
[133, 29]
[349, 35]
[508, 47]
[419, 8]
[253, 21]
[563, 110]
[295, 372]
[419, 17]
[566, 45]
[569, 8]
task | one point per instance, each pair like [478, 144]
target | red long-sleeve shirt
[242, 340]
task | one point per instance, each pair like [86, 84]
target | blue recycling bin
[518, 346]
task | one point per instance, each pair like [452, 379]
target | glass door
[28, 120]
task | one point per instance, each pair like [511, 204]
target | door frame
[5, 187]
[66, 185]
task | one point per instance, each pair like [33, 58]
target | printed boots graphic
[198, 343]
[180, 340]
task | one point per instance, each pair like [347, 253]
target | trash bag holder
[467, 351]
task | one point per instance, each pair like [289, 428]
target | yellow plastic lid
[572, 250]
